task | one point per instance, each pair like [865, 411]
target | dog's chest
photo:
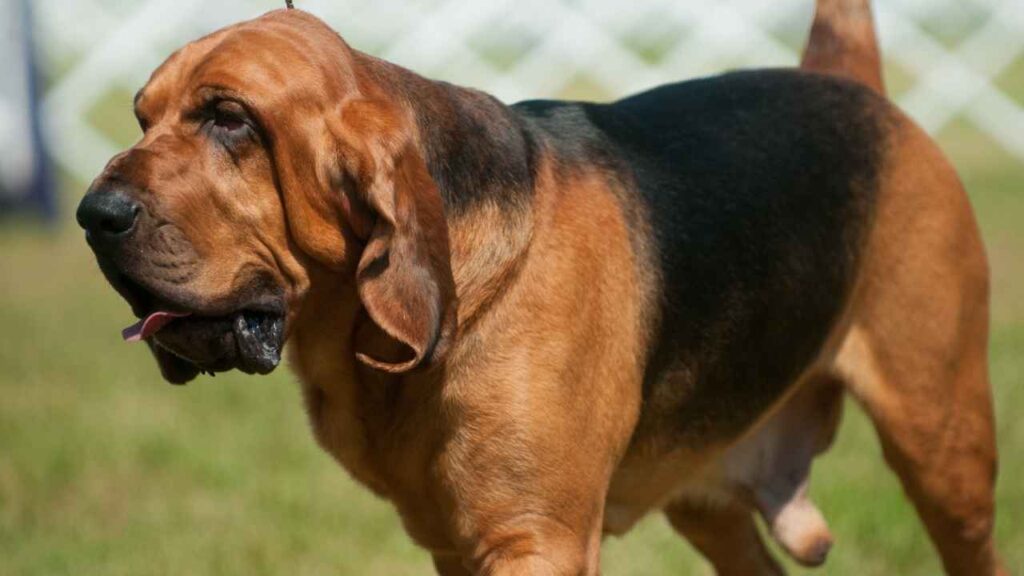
[327, 371]
[386, 436]
[332, 408]
[377, 427]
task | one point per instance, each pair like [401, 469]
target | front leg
[528, 496]
[453, 565]
[539, 545]
[527, 466]
[547, 391]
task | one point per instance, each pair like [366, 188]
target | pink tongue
[150, 325]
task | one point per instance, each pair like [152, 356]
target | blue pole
[42, 195]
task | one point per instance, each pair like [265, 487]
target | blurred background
[104, 469]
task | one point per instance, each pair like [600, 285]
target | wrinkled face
[258, 162]
[189, 225]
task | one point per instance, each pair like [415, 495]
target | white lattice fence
[948, 58]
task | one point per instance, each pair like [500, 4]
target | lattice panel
[946, 57]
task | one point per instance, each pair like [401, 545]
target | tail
[843, 43]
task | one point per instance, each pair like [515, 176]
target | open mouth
[187, 341]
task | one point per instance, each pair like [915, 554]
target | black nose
[107, 213]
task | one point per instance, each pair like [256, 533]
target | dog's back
[759, 187]
[772, 205]
[755, 189]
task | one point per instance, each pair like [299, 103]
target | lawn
[104, 469]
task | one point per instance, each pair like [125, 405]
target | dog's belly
[765, 467]
[660, 470]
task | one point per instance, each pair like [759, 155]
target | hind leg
[916, 353]
[936, 432]
[726, 535]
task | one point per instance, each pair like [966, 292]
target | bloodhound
[528, 326]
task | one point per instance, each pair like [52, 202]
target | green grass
[104, 469]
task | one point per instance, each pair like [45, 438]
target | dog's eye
[228, 124]
[229, 116]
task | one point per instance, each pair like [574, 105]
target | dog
[529, 326]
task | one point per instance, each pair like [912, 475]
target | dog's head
[271, 154]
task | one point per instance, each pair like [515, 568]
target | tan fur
[842, 42]
[501, 417]
[483, 371]
[726, 535]
[916, 357]
[911, 349]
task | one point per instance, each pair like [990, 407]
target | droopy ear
[404, 277]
